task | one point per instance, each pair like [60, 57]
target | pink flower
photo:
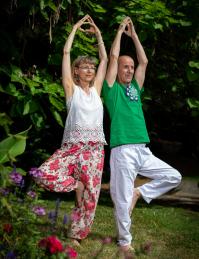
[96, 181]
[52, 244]
[31, 194]
[86, 155]
[35, 172]
[71, 168]
[89, 205]
[84, 168]
[15, 177]
[50, 178]
[54, 165]
[74, 149]
[50, 187]
[85, 178]
[84, 233]
[75, 216]
[40, 211]
[71, 252]
[68, 182]
[100, 165]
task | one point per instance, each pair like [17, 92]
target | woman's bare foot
[75, 242]
[136, 196]
[79, 193]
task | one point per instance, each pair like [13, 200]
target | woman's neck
[85, 86]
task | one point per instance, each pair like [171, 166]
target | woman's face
[85, 72]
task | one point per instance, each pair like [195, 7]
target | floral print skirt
[69, 164]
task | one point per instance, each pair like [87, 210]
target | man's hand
[129, 29]
[124, 24]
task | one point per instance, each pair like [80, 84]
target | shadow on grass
[105, 200]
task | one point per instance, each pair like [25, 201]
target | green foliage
[13, 146]
[25, 223]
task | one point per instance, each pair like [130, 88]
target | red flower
[86, 155]
[68, 182]
[85, 178]
[84, 233]
[52, 244]
[50, 187]
[96, 181]
[54, 165]
[76, 216]
[101, 164]
[89, 205]
[7, 228]
[84, 168]
[50, 178]
[71, 168]
[71, 252]
[73, 149]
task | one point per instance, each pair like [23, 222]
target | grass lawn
[159, 232]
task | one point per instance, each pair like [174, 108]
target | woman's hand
[81, 22]
[93, 29]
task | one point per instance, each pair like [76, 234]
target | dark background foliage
[32, 36]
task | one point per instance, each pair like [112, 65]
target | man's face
[125, 69]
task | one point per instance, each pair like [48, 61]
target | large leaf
[193, 103]
[13, 146]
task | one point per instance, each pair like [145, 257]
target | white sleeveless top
[84, 122]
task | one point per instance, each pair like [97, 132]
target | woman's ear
[76, 71]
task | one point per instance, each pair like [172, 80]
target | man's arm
[114, 54]
[141, 56]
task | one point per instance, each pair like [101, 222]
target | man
[128, 138]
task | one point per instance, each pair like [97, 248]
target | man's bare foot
[79, 193]
[126, 252]
[136, 196]
[127, 248]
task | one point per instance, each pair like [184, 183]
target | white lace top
[84, 122]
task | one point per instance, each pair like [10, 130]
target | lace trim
[84, 134]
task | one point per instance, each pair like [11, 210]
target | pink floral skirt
[72, 163]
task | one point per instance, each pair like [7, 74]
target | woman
[78, 164]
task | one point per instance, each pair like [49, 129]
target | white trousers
[126, 162]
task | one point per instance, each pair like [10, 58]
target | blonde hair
[79, 61]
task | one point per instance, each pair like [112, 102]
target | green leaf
[158, 26]
[30, 107]
[56, 103]
[6, 205]
[194, 64]
[5, 119]
[13, 146]
[37, 120]
[17, 75]
[58, 118]
[185, 23]
[192, 75]
[193, 103]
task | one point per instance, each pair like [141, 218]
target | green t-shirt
[127, 118]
